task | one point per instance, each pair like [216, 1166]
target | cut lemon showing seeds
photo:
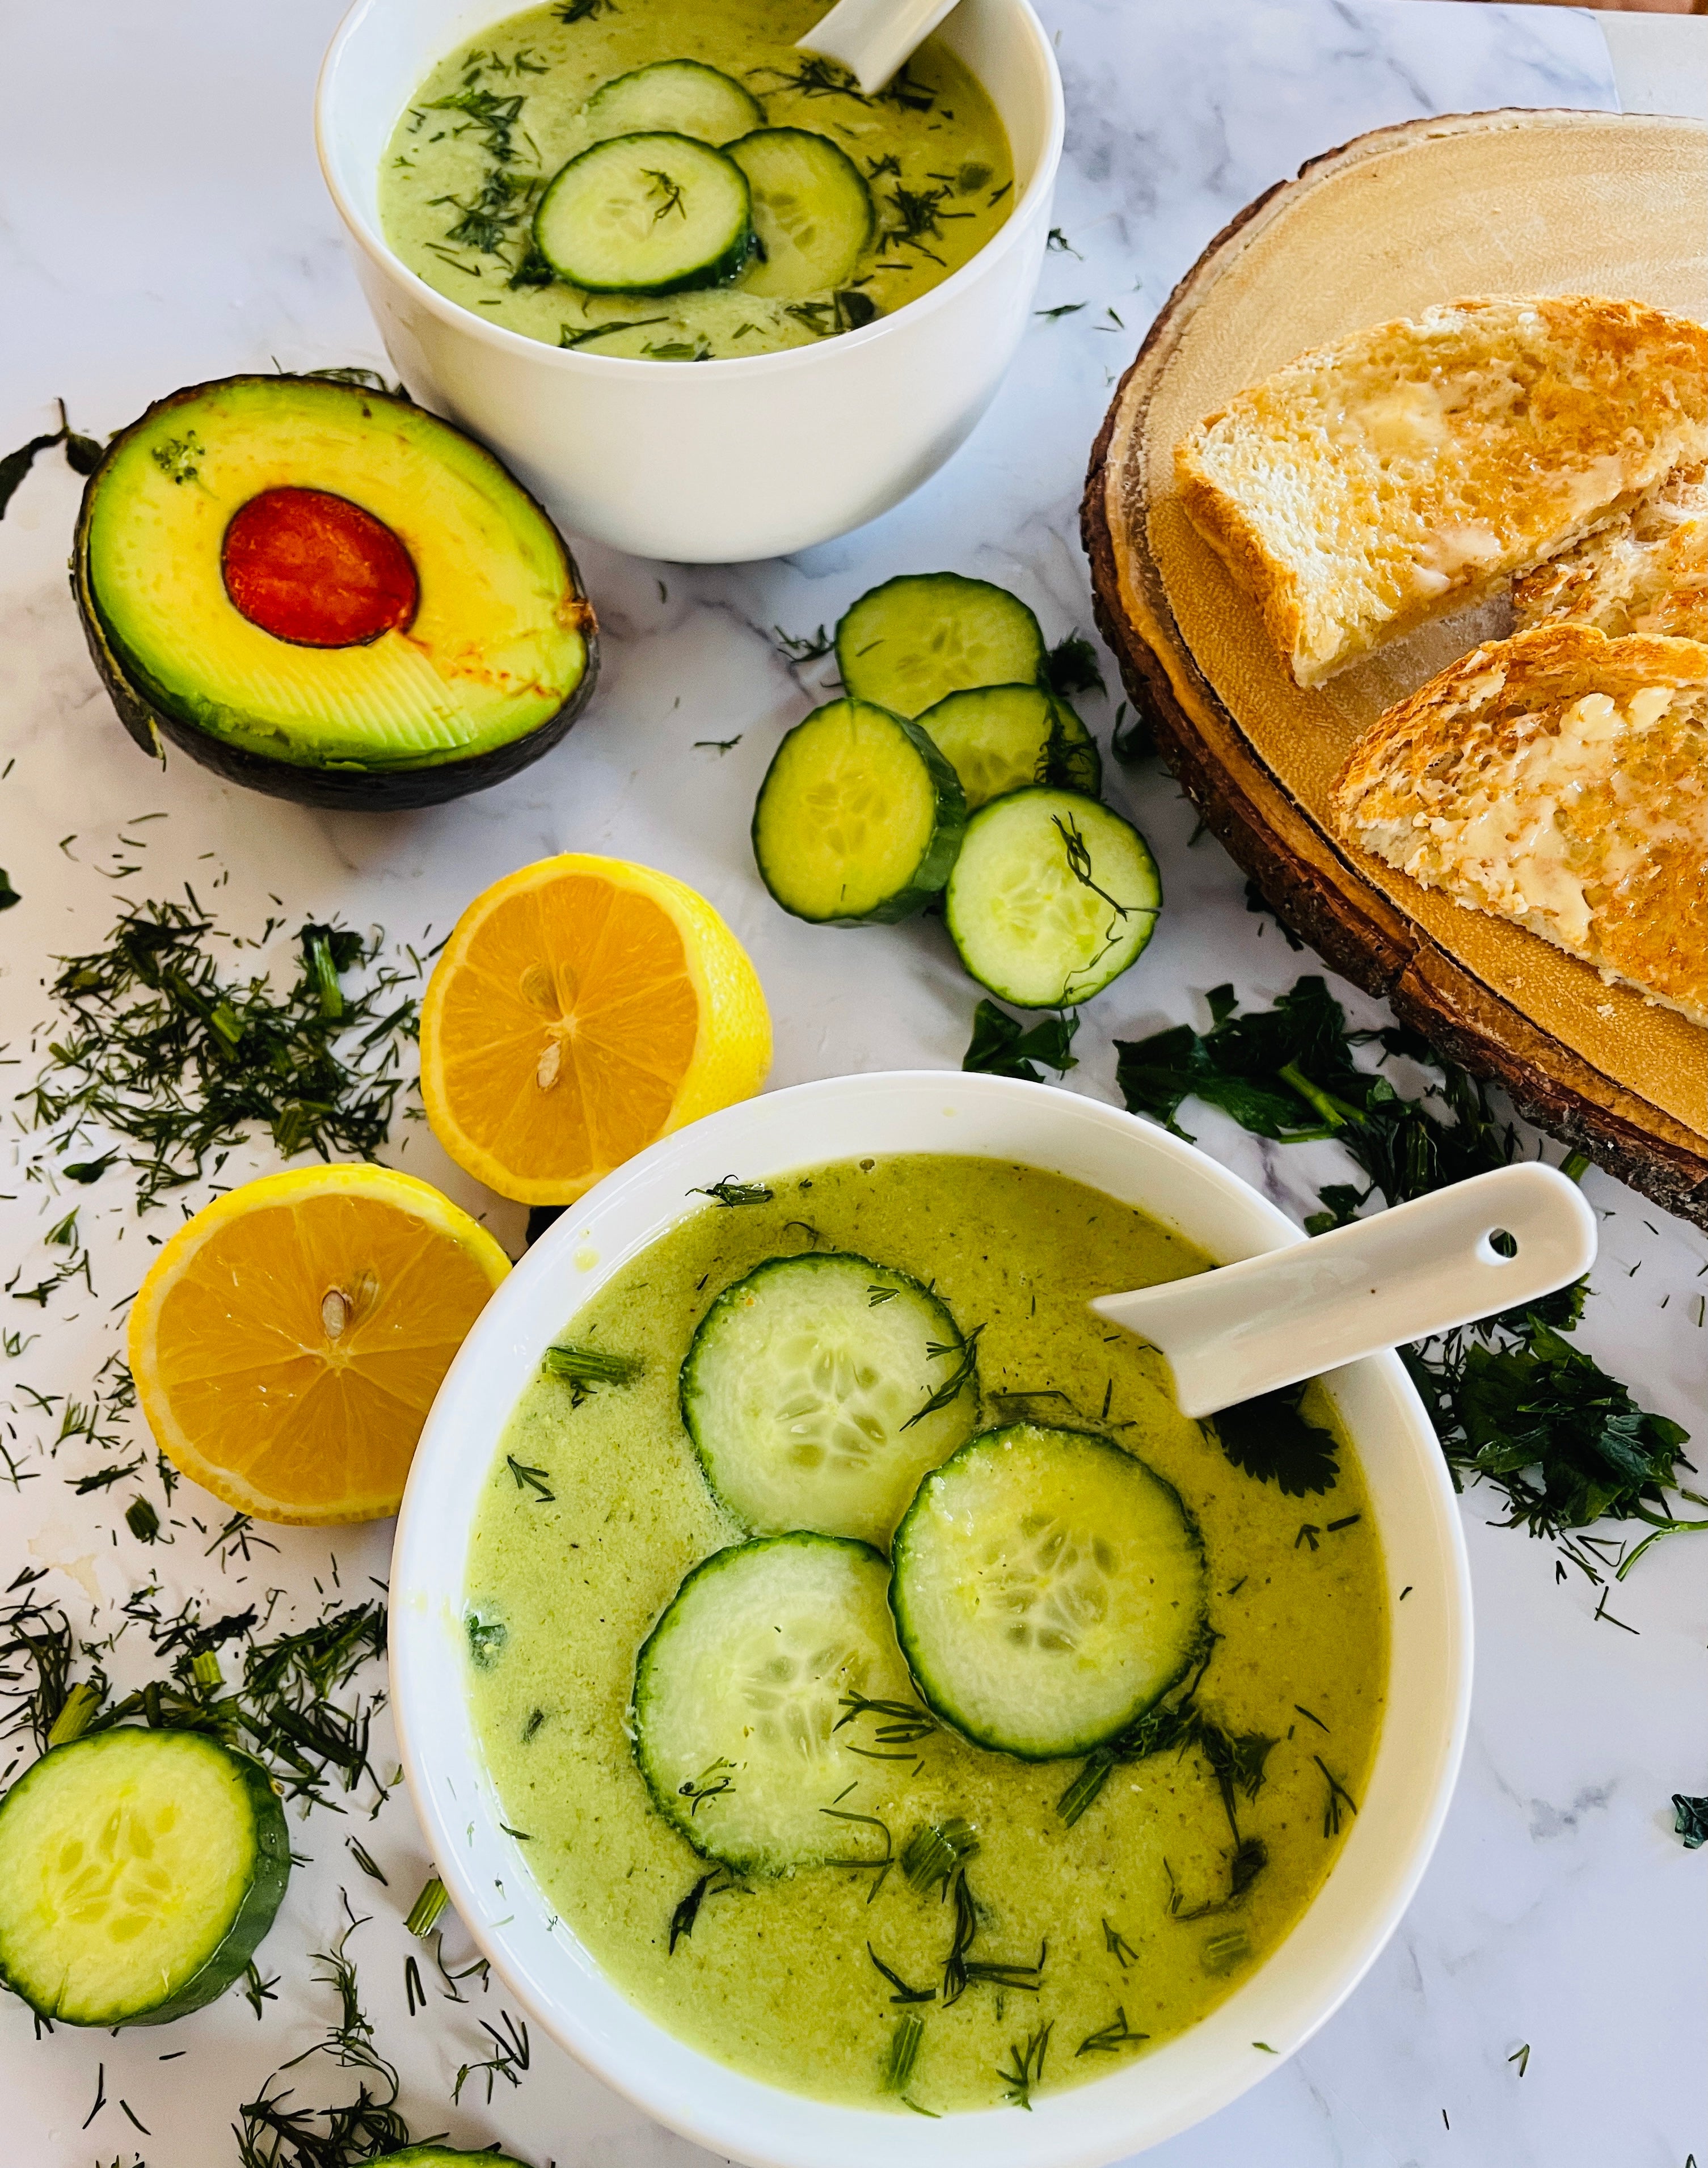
[583, 1008]
[288, 1339]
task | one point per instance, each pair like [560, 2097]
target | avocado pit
[315, 570]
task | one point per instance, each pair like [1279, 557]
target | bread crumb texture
[1411, 469]
[1647, 572]
[1558, 780]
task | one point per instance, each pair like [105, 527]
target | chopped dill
[904, 2052]
[903, 1993]
[495, 117]
[1119, 1947]
[161, 1048]
[905, 1724]
[933, 1854]
[878, 1868]
[423, 1914]
[964, 1373]
[530, 1478]
[589, 1366]
[803, 647]
[1028, 2070]
[731, 1191]
[510, 2057]
[1334, 1799]
[1071, 666]
[961, 1971]
[1117, 2033]
[687, 1912]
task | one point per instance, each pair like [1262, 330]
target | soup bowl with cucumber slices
[550, 211]
[850, 1703]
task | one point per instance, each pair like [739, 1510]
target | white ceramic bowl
[486, 1871]
[724, 459]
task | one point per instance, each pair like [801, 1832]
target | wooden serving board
[1517, 202]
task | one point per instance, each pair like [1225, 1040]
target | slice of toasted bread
[1647, 571]
[1558, 779]
[1372, 485]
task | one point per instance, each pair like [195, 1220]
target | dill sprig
[510, 2057]
[905, 1723]
[682, 1920]
[589, 1366]
[161, 1048]
[960, 1971]
[964, 1373]
[904, 2053]
[271, 2135]
[879, 1866]
[495, 118]
[1027, 2058]
[1118, 2033]
[932, 1855]
[497, 214]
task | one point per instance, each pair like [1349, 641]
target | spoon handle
[874, 38]
[1310, 1305]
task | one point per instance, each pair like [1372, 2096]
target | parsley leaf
[1268, 1438]
[1002, 1047]
[1690, 1821]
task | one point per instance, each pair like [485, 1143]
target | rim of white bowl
[568, 1994]
[380, 253]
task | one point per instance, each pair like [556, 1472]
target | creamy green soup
[1112, 1913]
[497, 119]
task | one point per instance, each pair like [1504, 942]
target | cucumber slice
[657, 213]
[1049, 1588]
[909, 643]
[678, 97]
[1051, 897]
[803, 1390]
[739, 1691]
[812, 213]
[1001, 738]
[139, 1871]
[859, 818]
[443, 2156]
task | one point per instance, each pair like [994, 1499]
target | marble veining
[162, 221]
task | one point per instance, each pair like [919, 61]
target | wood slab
[1513, 202]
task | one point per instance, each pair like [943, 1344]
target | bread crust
[1645, 571]
[1558, 780]
[1413, 468]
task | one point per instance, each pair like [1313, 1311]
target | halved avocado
[328, 594]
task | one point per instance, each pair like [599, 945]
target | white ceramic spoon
[871, 39]
[1421, 1268]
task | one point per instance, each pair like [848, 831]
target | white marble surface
[163, 222]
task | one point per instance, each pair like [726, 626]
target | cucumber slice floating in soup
[805, 1391]
[999, 738]
[139, 1871]
[740, 1688]
[1049, 1589]
[812, 213]
[859, 818]
[1053, 896]
[916, 638]
[682, 97]
[658, 213]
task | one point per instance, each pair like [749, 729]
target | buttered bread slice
[1647, 572]
[1559, 779]
[1376, 483]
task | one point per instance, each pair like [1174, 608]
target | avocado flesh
[498, 645]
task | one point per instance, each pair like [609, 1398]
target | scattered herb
[718, 745]
[162, 1049]
[142, 1521]
[669, 193]
[964, 1374]
[687, 1912]
[257, 1990]
[935, 1852]
[905, 1723]
[487, 1638]
[711, 1783]
[1521, 2056]
[365, 1860]
[903, 1993]
[1118, 2033]
[1337, 1797]
[961, 1971]
[584, 11]
[731, 1191]
[8, 894]
[509, 2058]
[589, 1366]
[1002, 1047]
[1071, 666]
[1690, 1821]
[1064, 309]
[423, 1914]
[82, 456]
[530, 1478]
[1058, 240]
[1268, 1438]
[879, 1869]
[904, 2052]
[805, 647]
[1130, 738]
[495, 118]
[1028, 2070]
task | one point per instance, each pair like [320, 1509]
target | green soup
[496, 119]
[1115, 1904]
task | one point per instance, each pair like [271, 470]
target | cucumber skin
[931, 875]
[718, 272]
[848, 663]
[261, 1901]
[434, 2156]
[898, 1609]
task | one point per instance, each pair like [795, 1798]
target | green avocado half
[444, 2156]
[327, 593]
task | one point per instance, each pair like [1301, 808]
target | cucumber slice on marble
[740, 1692]
[681, 97]
[909, 643]
[1049, 1589]
[1051, 897]
[139, 1871]
[859, 818]
[805, 1390]
[999, 738]
[812, 213]
[654, 213]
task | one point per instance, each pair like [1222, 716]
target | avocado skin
[341, 788]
